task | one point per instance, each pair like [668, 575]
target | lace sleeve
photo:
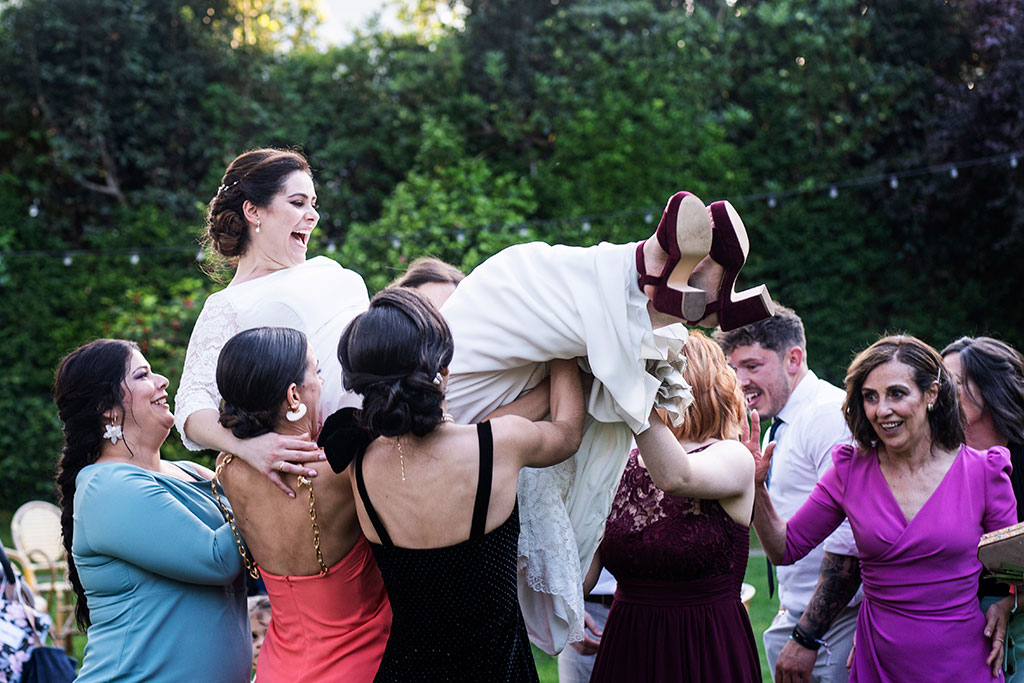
[217, 323]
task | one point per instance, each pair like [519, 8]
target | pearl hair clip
[222, 188]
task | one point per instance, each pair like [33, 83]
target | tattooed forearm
[838, 582]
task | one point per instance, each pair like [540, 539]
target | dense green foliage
[558, 120]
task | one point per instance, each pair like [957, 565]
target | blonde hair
[717, 410]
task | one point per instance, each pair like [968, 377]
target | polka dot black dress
[456, 609]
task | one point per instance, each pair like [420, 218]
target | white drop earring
[113, 432]
[296, 413]
[258, 224]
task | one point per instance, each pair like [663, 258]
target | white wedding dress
[317, 297]
[518, 309]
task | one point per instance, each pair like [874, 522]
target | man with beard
[811, 637]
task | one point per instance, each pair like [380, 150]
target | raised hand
[275, 454]
[751, 438]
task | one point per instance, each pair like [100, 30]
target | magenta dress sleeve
[1001, 505]
[823, 511]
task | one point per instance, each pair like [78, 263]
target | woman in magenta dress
[918, 500]
[679, 556]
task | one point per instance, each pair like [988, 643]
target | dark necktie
[776, 423]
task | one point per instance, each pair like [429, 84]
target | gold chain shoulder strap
[250, 564]
[303, 481]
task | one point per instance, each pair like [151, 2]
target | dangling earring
[296, 413]
[930, 406]
[258, 224]
[113, 432]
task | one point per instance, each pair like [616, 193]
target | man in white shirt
[811, 637]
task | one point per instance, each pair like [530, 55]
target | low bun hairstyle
[946, 419]
[391, 355]
[89, 382]
[256, 176]
[254, 370]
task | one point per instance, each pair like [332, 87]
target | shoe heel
[746, 307]
[687, 303]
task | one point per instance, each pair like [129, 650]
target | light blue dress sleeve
[130, 515]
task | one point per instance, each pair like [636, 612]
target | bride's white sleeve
[217, 323]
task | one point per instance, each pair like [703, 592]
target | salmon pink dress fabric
[327, 628]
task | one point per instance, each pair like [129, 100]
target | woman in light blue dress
[155, 567]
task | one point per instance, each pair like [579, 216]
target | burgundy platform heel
[685, 234]
[729, 248]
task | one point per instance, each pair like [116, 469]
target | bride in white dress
[519, 309]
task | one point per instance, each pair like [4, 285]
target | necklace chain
[445, 417]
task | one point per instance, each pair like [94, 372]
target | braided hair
[89, 382]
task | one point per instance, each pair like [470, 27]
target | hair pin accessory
[437, 379]
[222, 188]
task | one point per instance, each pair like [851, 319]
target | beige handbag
[1002, 553]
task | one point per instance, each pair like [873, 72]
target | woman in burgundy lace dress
[677, 542]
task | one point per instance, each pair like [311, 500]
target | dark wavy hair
[997, 371]
[254, 370]
[257, 176]
[392, 354]
[89, 382]
[946, 419]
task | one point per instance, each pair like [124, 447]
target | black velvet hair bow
[343, 439]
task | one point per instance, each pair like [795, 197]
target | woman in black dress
[437, 500]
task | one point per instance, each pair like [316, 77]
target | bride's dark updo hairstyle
[89, 382]
[392, 355]
[254, 370]
[257, 176]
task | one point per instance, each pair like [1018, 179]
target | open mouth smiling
[301, 237]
